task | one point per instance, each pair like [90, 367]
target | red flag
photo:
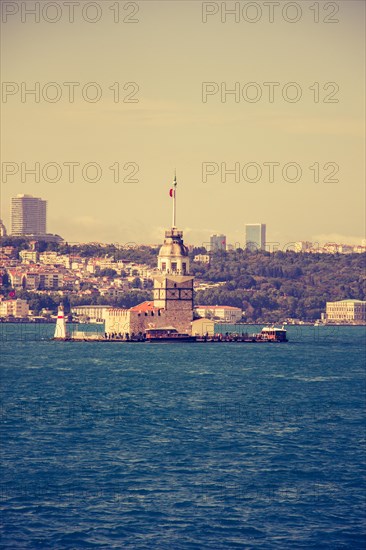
[171, 193]
[12, 294]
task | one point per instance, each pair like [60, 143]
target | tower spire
[174, 200]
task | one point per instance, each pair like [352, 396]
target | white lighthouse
[60, 330]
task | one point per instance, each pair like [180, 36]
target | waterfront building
[91, 314]
[346, 311]
[16, 308]
[255, 236]
[226, 314]
[203, 327]
[28, 216]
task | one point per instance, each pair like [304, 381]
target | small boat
[272, 334]
[167, 334]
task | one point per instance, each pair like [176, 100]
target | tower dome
[173, 255]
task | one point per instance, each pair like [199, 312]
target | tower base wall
[122, 321]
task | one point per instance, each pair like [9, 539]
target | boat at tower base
[269, 334]
[272, 334]
[168, 334]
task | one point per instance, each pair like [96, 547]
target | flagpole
[174, 200]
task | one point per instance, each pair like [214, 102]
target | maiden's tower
[172, 304]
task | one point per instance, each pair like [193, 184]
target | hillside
[267, 286]
[273, 287]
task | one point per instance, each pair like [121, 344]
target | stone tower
[173, 285]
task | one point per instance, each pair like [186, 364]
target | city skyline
[212, 242]
[199, 237]
[183, 114]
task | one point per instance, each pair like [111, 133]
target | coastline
[18, 321]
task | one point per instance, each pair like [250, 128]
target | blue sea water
[183, 446]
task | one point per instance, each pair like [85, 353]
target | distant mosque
[172, 304]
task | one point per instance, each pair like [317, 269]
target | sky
[151, 84]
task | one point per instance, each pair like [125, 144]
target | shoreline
[20, 321]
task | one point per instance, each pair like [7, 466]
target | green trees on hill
[107, 273]
[272, 287]
[267, 286]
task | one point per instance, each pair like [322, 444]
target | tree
[136, 283]
[108, 272]
[66, 304]
[6, 280]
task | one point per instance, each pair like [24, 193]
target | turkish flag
[171, 192]
[12, 294]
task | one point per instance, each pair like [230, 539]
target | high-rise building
[255, 236]
[28, 215]
[217, 242]
[3, 232]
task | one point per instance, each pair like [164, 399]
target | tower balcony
[174, 234]
[176, 271]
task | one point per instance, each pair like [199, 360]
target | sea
[183, 446]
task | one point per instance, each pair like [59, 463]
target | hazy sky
[169, 52]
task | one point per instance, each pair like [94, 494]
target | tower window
[174, 266]
[163, 266]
